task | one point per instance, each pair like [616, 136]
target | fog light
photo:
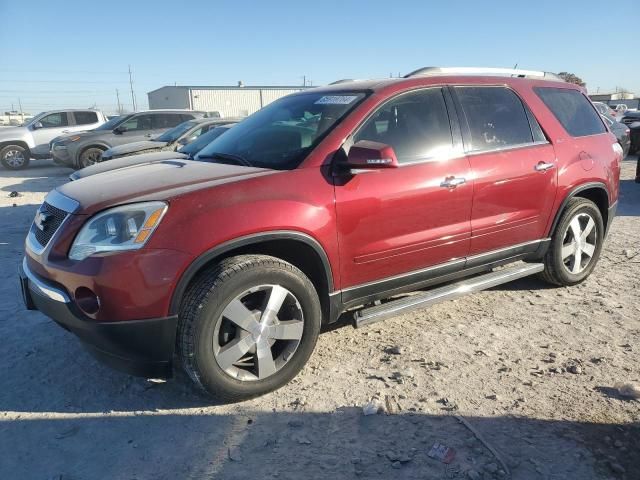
[88, 301]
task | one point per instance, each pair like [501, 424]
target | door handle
[543, 166]
[452, 182]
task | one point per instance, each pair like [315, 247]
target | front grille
[50, 218]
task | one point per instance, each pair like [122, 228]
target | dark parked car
[422, 184]
[170, 140]
[621, 131]
[84, 149]
[632, 120]
[185, 152]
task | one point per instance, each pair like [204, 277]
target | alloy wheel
[258, 332]
[91, 157]
[14, 158]
[579, 243]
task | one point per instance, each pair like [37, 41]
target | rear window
[85, 118]
[573, 111]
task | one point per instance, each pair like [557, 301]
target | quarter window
[573, 111]
[496, 117]
[53, 120]
[416, 125]
[85, 118]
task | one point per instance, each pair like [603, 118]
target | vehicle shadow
[343, 444]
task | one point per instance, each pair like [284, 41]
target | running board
[374, 314]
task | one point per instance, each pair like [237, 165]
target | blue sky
[76, 53]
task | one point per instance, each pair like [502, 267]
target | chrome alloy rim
[258, 332]
[579, 244]
[14, 158]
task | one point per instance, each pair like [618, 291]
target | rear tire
[276, 322]
[14, 157]
[575, 245]
[90, 156]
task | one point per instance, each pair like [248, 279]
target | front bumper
[139, 347]
[61, 156]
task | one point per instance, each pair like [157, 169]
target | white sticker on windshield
[336, 100]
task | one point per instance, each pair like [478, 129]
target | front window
[113, 122]
[53, 120]
[176, 132]
[282, 134]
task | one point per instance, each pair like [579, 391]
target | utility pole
[133, 97]
[21, 114]
[118, 99]
[304, 80]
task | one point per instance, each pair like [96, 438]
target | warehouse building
[238, 101]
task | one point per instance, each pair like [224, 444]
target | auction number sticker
[336, 100]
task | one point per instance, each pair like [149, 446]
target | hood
[161, 180]
[11, 133]
[136, 147]
[131, 161]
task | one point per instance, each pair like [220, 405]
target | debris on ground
[374, 407]
[628, 390]
[442, 452]
[14, 194]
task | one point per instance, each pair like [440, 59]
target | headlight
[128, 227]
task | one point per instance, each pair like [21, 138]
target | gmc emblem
[41, 220]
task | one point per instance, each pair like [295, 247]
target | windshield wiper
[227, 156]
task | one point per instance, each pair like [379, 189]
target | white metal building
[238, 101]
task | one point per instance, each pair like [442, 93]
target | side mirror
[185, 140]
[368, 155]
[37, 125]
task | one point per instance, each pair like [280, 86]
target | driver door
[395, 224]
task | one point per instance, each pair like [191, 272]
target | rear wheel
[575, 245]
[247, 326]
[90, 156]
[14, 157]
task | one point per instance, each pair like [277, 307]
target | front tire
[247, 326]
[90, 156]
[14, 157]
[575, 245]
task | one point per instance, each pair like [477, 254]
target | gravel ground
[518, 381]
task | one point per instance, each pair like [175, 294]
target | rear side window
[167, 120]
[573, 111]
[85, 118]
[416, 125]
[496, 117]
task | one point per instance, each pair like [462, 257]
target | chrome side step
[374, 314]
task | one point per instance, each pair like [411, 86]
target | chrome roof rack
[345, 80]
[513, 72]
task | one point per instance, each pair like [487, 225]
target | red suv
[320, 206]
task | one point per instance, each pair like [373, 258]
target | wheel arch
[596, 192]
[297, 248]
[82, 149]
[19, 143]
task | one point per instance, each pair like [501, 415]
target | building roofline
[235, 87]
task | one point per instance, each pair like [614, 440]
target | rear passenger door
[513, 167]
[84, 120]
[406, 219]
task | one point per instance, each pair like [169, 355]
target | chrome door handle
[452, 182]
[543, 166]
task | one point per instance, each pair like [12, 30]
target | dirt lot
[519, 380]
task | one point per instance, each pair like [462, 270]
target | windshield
[281, 134]
[112, 123]
[203, 140]
[176, 132]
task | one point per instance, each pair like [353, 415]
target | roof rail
[514, 72]
[345, 80]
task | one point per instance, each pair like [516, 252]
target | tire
[90, 156]
[208, 341]
[14, 157]
[580, 258]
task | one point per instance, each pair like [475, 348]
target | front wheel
[14, 157]
[247, 326]
[575, 245]
[90, 156]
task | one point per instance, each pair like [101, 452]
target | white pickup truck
[18, 145]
